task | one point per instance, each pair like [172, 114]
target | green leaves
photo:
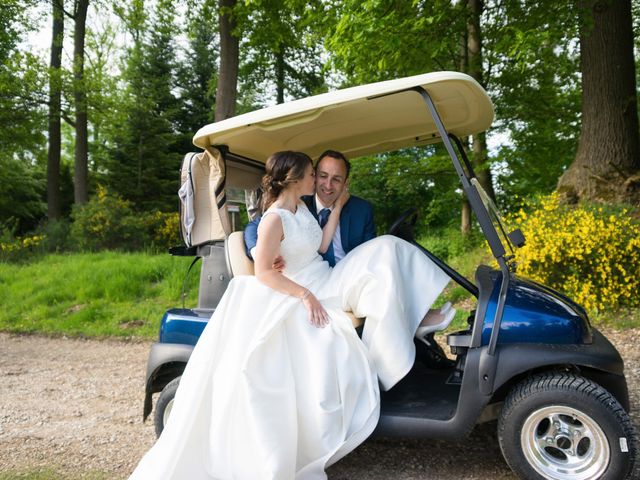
[421, 177]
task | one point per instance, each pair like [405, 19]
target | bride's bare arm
[267, 249]
[332, 223]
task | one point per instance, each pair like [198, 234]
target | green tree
[23, 119]
[21, 203]
[55, 100]
[198, 74]
[376, 40]
[419, 177]
[81, 150]
[383, 39]
[22, 85]
[607, 163]
[227, 88]
[103, 96]
[22, 143]
[145, 158]
[14, 22]
[281, 51]
[535, 84]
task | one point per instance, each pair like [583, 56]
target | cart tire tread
[166, 396]
[572, 387]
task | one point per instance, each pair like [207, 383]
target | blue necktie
[323, 216]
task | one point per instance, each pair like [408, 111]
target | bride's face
[307, 184]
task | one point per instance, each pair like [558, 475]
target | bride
[279, 385]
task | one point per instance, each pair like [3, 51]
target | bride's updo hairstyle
[282, 169]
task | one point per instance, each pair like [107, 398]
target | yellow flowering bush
[20, 246]
[590, 253]
[108, 221]
[164, 228]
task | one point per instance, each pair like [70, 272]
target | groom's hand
[278, 264]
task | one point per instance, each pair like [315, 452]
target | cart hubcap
[167, 412]
[562, 443]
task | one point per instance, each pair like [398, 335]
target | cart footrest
[459, 339]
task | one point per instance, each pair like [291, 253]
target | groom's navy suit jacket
[356, 226]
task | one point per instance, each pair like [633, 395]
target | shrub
[107, 222]
[164, 229]
[48, 237]
[448, 243]
[589, 252]
[21, 248]
[56, 234]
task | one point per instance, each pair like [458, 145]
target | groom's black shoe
[432, 355]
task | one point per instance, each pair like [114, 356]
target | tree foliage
[144, 159]
[422, 178]
[377, 40]
[197, 77]
[281, 51]
[152, 77]
[23, 118]
[535, 82]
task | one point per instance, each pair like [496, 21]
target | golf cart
[529, 357]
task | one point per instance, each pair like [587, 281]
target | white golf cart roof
[368, 119]
[357, 121]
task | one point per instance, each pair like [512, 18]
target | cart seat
[240, 264]
[237, 260]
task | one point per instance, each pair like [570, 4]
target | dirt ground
[74, 407]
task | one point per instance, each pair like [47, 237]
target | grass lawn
[93, 294]
[113, 294]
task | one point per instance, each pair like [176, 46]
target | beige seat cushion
[240, 264]
[211, 219]
[237, 260]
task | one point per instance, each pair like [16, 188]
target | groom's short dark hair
[338, 155]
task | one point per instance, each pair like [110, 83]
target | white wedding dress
[265, 394]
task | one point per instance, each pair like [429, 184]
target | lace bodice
[302, 237]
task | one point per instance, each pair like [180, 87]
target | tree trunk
[227, 90]
[55, 93]
[465, 218]
[474, 55]
[607, 163]
[81, 190]
[280, 75]
[481, 164]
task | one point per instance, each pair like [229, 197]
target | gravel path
[75, 407]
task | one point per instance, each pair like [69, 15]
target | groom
[356, 219]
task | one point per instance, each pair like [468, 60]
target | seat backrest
[237, 260]
[204, 216]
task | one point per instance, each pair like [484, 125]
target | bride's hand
[318, 316]
[343, 198]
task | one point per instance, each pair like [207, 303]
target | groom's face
[331, 176]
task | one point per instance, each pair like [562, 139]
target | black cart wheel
[560, 426]
[164, 405]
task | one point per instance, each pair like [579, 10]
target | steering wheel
[404, 224]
